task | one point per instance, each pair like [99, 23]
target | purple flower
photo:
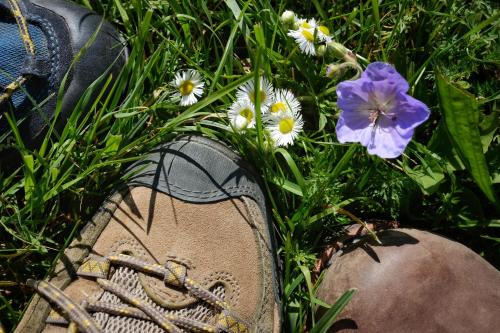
[377, 112]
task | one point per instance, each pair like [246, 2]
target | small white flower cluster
[279, 107]
[188, 86]
[309, 34]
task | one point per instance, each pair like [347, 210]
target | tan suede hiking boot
[415, 281]
[187, 247]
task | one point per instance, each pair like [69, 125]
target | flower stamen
[305, 25]
[374, 115]
[262, 96]
[308, 35]
[277, 107]
[324, 29]
[286, 125]
[186, 87]
[247, 114]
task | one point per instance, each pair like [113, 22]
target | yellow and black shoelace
[7, 92]
[173, 274]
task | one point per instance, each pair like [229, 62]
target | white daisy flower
[305, 24]
[266, 94]
[305, 38]
[189, 86]
[284, 101]
[241, 114]
[285, 128]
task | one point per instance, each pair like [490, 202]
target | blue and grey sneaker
[39, 41]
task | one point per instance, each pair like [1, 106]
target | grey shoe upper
[198, 170]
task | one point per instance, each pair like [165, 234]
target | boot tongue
[13, 54]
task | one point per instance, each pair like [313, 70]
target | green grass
[438, 185]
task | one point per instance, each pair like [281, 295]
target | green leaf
[329, 317]
[488, 127]
[233, 5]
[461, 116]
[496, 239]
[293, 167]
[441, 145]
[342, 164]
[429, 174]
[307, 277]
[322, 122]
[287, 185]
[293, 285]
[29, 178]
[124, 15]
[112, 144]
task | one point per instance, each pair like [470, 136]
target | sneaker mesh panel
[129, 279]
[13, 53]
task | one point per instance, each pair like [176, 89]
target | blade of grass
[324, 324]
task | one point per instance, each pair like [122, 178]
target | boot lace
[7, 92]
[82, 317]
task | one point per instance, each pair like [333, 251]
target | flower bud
[240, 123]
[340, 51]
[321, 50]
[288, 18]
[336, 71]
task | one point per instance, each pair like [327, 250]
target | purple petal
[385, 93]
[355, 95]
[409, 112]
[383, 140]
[389, 142]
[380, 71]
[354, 127]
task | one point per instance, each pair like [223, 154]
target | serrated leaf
[430, 172]
[461, 116]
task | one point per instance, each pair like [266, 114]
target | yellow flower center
[324, 29]
[186, 87]
[277, 107]
[308, 35]
[286, 125]
[305, 25]
[247, 114]
[262, 96]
